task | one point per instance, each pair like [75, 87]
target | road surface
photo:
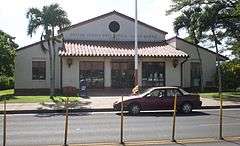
[43, 129]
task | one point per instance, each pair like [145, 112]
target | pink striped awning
[114, 48]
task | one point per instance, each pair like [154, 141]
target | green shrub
[6, 82]
[230, 75]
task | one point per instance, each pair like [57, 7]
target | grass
[227, 96]
[6, 92]
[9, 94]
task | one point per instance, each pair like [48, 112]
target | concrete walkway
[97, 103]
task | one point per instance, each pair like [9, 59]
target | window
[153, 74]
[173, 92]
[93, 73]
[195, 74]
[157, 93]
[39, 70]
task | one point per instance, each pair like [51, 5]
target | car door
[161, 100]
[170, 95]
[151, 100]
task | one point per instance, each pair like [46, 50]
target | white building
[101, 51]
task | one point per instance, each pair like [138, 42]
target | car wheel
[186, 108]
[134, 109]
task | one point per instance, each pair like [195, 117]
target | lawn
[9, 94]
[5, 92]
[227, 96]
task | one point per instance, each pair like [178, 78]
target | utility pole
[136, 48]
[66, 123]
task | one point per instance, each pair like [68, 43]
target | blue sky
[14, 22]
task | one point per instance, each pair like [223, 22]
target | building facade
[101, 52]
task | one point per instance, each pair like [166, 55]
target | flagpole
[136, 49]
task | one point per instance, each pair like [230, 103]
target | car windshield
[184, 92]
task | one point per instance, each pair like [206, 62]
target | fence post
[4, 121]
[174, 118]
[221, 117]
[121, 135]
[66, 123]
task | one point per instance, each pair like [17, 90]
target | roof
[106, 48]
[221, 56]
[108, 14]
[33, 44]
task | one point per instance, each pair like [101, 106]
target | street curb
[37, 111]
[161, 142]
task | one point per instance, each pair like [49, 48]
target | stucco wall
[208, 62]
[23, 68]
[99, 30]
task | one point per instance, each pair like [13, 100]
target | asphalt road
[43, 129]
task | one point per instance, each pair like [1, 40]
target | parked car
[160, 98]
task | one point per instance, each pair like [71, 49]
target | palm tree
[189, 20]
[50, 18]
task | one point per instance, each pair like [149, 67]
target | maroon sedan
[160, 98]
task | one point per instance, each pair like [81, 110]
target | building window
[153, 74]
[39, 70]
[93, 73]
[195, 74]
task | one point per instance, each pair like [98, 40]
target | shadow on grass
[228, 97]
[165, 114]
[7, 97]
[59, 103]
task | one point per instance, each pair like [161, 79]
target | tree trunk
[196, 41]
[50, 68]
[54, 67]
[201, 70]
[54, 61]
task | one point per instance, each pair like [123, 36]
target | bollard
[4, 121]
[221, 117]
[66, 123]
[121, 135]
[174, 118]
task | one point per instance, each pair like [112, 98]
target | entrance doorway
[122, 75]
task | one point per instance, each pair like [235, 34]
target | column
[140, 73]
[107, 73]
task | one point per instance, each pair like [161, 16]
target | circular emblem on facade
[114, 26]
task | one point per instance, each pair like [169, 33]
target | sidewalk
[96, 104]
